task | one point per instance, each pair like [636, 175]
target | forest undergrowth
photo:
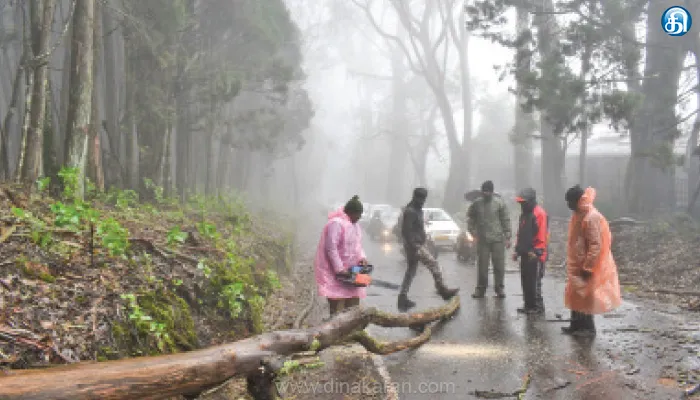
[108, 276]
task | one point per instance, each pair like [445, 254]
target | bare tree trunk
[395, 190]
[64, 96]
[652, 183]
[585, 69]
[182, 158]
[553, 154]
[78, 121]
[30, 75]
[96, 173]
[131, 142]
[522, 138]
[42, 20]
[191, 373]
[5, 127]
[112, 101]
[463, 50]
[692, 157]
[168, 162]
[222, 161]
[210, 174]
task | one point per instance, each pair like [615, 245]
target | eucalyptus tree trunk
[6, 122]
[64, 97]
[96, 173]
[112, 98]
[41, 12]
[395, 188]
[79, 108]
[651, 186]
[585, 132]
[553, 153]
[29, 73]
[522, 138]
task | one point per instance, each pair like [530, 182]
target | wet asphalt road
[489, 347]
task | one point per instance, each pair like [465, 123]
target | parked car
[441, 228]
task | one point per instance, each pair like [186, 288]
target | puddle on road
[464, 350]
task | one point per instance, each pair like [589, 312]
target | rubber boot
[574, 325]
[404, 303]
[587, 328]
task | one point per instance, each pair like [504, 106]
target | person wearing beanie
[340, 248]
[592, 285]
[531, 243]
[488, 222]
[414, 241]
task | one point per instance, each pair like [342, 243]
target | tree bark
[652, 183]
[193, 372]
[395, 188]
[31, 81]
[96, 173]
[522, 135]
[553, 153]
[41, 12]
[5, 127]
[585, 69]
[115, 162]
[79, 107]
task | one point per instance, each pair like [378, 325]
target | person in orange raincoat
[592, 285]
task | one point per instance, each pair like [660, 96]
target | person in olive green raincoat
[488, 221]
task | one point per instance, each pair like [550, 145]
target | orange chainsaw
[357, 275]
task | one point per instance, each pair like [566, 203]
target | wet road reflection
[489, 347]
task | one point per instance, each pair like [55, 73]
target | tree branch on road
[194, 372]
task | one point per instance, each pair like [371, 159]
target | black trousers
[531, 273]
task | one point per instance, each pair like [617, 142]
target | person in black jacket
[414, 242]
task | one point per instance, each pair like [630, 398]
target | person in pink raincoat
[340, 248]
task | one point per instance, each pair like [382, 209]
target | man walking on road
[488, 221]
[592, 285]
[531, 247]
[414, 242]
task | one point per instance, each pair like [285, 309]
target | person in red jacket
[531, 248]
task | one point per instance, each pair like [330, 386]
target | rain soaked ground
[490, 351]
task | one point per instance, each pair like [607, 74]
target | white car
[441, 228]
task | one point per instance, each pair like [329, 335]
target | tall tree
[41, 16]
[80, 103]
[426, 50]
[95, 172]
[524, 123]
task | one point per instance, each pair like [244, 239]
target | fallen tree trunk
[193, 372]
